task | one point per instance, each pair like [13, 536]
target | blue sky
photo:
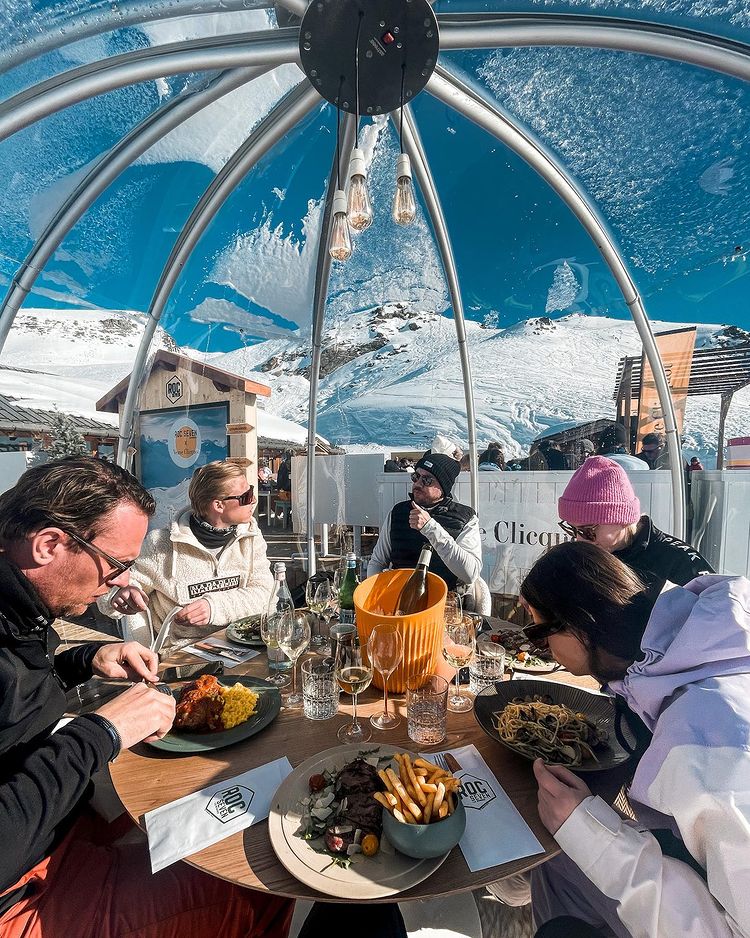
[669, 170]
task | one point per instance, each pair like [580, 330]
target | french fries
[420, 792]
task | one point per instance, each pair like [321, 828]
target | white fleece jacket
[174, 569]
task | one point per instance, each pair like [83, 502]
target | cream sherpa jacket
[174, 569]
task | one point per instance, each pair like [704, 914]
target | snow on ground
[391, 376]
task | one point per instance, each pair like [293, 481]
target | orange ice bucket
[422, 632]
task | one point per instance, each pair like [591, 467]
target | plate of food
[326, 825]
[214, 712]
[559, 723]
[523, 655]
[246, 631]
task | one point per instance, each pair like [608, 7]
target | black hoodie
[44, 778]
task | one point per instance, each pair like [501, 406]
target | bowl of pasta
[559, 723]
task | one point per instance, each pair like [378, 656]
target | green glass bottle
[346, 591]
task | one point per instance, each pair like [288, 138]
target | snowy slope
[389, 376]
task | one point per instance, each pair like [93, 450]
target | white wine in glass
[353, 675]
[459, 643]
[385, 649]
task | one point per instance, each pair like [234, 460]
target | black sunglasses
[120, 566]
[587, 531]
[423, 479]
[243, 499]
[538, 634]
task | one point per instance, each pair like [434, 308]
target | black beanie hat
[444, 468]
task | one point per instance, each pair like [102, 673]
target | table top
[145, 778]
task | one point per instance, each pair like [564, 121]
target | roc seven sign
[174, 389]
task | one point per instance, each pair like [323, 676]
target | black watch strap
[110, 727]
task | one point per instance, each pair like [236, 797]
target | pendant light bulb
[340, 245]
[359, 207]
[404, 203]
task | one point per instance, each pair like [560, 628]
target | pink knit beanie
[599, 493]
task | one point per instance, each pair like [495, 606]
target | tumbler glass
[487, 666]
[320, 690]
[426, 709]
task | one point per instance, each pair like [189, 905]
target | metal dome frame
[240, 58]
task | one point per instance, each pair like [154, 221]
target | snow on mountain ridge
[391, 374]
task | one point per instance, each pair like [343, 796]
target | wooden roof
[16, 419]
[170, 361]
[714, 371]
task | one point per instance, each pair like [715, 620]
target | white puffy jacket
[174, 569]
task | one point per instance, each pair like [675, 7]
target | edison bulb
[359, 207]
[404, 203]
[340, 245]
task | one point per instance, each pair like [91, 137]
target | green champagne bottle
[346, 590]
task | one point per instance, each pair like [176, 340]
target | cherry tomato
[317, 782]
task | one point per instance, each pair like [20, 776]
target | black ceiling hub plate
[397, 38]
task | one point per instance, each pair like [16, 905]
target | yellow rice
[239, 705]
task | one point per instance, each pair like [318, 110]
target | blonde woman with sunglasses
[600, 506]
[211, 561]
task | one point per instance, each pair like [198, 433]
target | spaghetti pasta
[552, 732]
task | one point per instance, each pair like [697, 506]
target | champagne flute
[385, 649]
[353, 675]
[459, 643]
[316, 603]
[293, 636]
[269, 634]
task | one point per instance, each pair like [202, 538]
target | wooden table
[146, 778]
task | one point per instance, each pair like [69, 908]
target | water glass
[426, 709]
[487, 666]
[320, 692]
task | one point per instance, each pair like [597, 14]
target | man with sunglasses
[69, 530]
[432, 517]
[211, 561]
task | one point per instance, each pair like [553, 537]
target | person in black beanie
[431, 518]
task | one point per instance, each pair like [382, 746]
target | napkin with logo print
[495, 831]
[183, 827]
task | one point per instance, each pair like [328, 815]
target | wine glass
[327, 600]
[316, 603]
[385, 649]
[268, 632]
[293, 636]
[459, 642]
[453, 609]
[353, 675]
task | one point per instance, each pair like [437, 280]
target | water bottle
[280, 602]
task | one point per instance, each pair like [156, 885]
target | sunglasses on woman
[538, 633]
[587, 531]
[244, 499]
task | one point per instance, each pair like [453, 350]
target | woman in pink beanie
[600, 506]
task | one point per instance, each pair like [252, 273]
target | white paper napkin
[216, 649]
[196, 821]
[495, 831]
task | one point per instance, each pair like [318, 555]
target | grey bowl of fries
[422, 841]
[428, 818]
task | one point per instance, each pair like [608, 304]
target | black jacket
[407, 542]
[657, 557]
[44, 779]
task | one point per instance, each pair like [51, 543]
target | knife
[452, 762]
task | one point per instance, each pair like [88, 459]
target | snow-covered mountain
[389, 375]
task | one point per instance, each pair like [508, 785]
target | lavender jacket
[693, 691]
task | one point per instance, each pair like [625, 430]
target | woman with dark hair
[683, 869]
